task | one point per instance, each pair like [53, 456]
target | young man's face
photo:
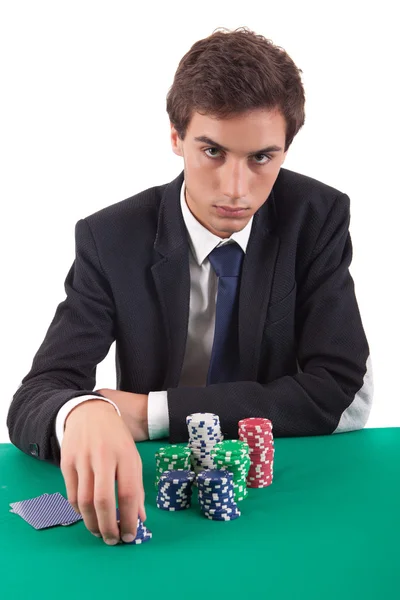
[225, 187]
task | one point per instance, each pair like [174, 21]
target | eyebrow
[207, 140]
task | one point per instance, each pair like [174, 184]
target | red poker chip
[255, 434]
[255, 478]
[255, 430]
[263, 453]
[258, 468]
[253, 485]
[256, 438]
[258, 444]
[261, 466]
[255, 422]
[263, 460]
[260, 474]
[261, 448]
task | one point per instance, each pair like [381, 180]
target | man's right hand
[97, 449]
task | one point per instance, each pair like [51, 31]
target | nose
[234, 182]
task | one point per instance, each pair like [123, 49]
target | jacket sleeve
[64, 367]
[332, 390]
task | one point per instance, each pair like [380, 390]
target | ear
[176, 141]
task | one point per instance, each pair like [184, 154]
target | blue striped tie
[226, 261]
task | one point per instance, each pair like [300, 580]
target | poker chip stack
[204, 432]
[142, 533]
[170, 458]
[233, 456]
[257, 433]
[175, 490]
[216, 495]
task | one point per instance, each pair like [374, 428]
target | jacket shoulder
[297, 185]
[305, 199]
[146, 201]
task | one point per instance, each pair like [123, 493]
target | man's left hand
[133, 409]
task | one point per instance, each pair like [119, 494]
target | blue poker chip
[173, 508]
[178, 493]
[217, 507]
[222, 517]
[178, 476]
[224, 489]
[214, 476]
[231, 510]
[216, 498]
[174, 496]
[172, 502]
[174, 488]
[137, 541]
[165, 502]
[216, 491]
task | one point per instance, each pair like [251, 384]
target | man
[227, 291]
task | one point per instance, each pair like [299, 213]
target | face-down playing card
[47, 510]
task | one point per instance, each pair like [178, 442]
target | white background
[84, 125]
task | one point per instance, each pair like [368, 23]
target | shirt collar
[201, 240]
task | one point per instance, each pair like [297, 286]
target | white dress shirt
[203, 296]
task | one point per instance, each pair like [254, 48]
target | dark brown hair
[231, 72]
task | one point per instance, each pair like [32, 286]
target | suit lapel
[172, 277]
[255, 288]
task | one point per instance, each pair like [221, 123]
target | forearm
[32, 415]
[303, 404]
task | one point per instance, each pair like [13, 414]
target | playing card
[45, 511]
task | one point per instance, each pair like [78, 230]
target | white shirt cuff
[68, 406]
[157, 415]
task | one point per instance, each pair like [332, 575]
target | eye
[266, 156]
[207, 149]
[213, 156]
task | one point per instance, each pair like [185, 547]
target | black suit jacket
[303, 350]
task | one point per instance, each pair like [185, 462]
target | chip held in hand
[143, 534]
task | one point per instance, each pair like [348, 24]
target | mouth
[228, 211]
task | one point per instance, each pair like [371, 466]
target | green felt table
[328, 527]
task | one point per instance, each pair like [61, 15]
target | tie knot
[227, 260]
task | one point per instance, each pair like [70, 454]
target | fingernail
[128, 538]
[95, 534]
[111, 541]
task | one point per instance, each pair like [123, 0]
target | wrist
[88, 403]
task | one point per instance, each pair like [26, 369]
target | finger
[85, 498]
[104, 501]
[129, 496]
[71, 484]
[139, 473]
[142, 511]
